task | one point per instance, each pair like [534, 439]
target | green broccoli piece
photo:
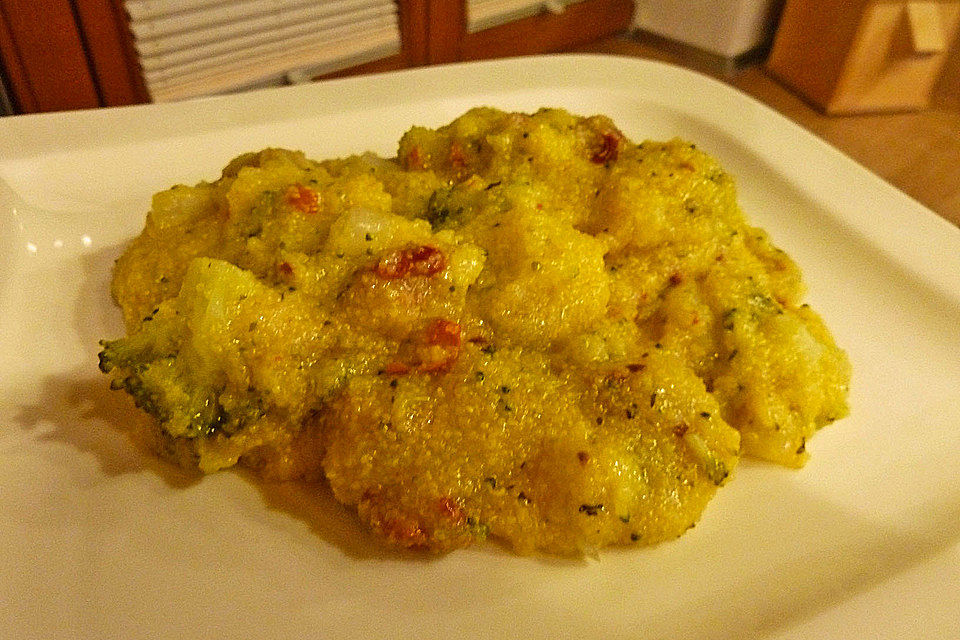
[174, 365]
[163, 389]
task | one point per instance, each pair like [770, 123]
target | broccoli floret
[145, 364]
[155, 339]
[174, 365]
[149, 366]
[162, 389]
[231, 366]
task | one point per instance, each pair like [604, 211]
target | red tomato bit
[444, 333]
[303, 199]
[397, 368]
[414, 159]
[609, 149]
[427, 260]
[449, 508]
[457, 158]
[418, 261]
[426, 357]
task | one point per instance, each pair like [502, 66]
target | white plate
[97, 540]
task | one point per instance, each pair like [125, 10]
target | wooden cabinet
[864, 56]
[75, 54]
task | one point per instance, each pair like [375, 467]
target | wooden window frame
[114, 64]
[44, 57]
[75, 54]
[579, 23]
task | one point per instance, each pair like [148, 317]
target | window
[190, 48]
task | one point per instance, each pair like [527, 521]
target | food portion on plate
[524, 326]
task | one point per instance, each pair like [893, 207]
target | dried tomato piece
[303, 199]
[414, 159]
[457, 158]
[401, 528]
[397, 368]
[285, 271]
[444, 333]
[424, 260]
[427, 260]
[451, 509]
[433, 351]
[609, 148]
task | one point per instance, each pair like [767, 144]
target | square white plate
[98, 540]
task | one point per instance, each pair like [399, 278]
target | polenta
[523, 327]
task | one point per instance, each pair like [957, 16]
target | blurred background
[879, 79]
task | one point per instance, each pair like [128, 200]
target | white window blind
[483, 14]
[191, 48]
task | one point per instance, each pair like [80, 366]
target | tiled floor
[917, 152]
